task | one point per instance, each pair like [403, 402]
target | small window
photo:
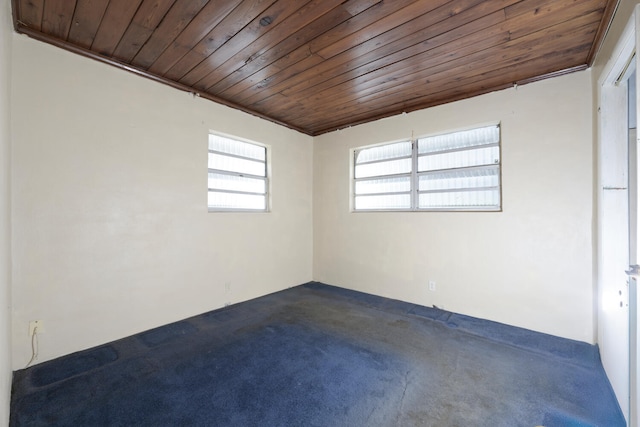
[454, 171]
[237, 175]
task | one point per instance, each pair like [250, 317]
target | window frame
[265, 178]
[415, 174]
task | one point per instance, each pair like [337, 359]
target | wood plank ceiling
[322, 65]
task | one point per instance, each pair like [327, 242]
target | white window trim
[414, 174]
[266, 177]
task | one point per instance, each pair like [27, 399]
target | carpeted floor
[317, 355]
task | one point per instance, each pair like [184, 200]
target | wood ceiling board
[271, 61]
[379, 72]
[147, 18]
[435, 99]
[435, 94]
[422, 57]
[86, 20]
[300, 19]
[29, 12]
[115, 21]
[179, 16]
[210, 16]
[56, 17]
[268, 84]
[465, 53]
[379, 47]
[274, 35]
[512, 57]
[218, 36]
[317, 65]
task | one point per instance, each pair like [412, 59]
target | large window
[237, 175]
[453, 171]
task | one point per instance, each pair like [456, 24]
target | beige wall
[529, 266]
[110, 225]
[5, 200]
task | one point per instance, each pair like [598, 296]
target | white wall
[5, 211]
[111, 234]
[529, 266]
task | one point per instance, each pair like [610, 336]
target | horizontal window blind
[383, 177]
[453, 171]
[237, 177]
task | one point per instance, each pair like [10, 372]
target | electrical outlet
[432, 285]
[227, 287]
[36, 324]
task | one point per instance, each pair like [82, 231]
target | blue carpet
[318, 355]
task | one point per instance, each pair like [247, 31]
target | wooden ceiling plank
[253, 52]
[428, 88]
[519, 51]
[343, 57]
[378, 72]
[535, 7]
[30, 13]
[437, 9]
[86, 21]
[204, 75]
[431, 35]
[465, 91]
[337, 33]
[518, 59]
[114, 23]
[371, 70]
[376, 103]
[56, 17]
[280, 66]
[378, 76]
[277, 75]
[210, 16]
[550, 15]
[146, 20]
[235, 21]
[357, 23]
[437, 34]
[181, 13]
[371, 87]
[265, 64]
[356, 7]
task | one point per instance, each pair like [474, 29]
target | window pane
[467, 178]
[457, 140]
[238, 148]
[383, 152]
[234, 164]
[391, 167]
[461, 199]
[221, 181]
[384, 185]
[393, 201]
[460, 159]
[236, 201]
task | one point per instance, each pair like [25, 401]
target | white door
[617, 221]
